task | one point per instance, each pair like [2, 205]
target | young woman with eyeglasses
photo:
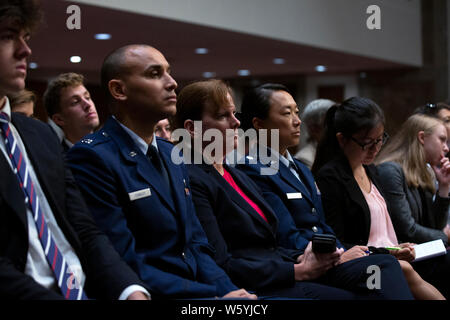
[352, 196]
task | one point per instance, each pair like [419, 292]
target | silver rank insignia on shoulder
[132, 154]
[104, 134]
[88, 141]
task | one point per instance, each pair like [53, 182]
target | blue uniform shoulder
[94, 139]
[164, 141]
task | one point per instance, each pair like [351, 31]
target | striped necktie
[69, 286]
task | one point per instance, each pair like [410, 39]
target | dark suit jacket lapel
[246, 188]
[236, 197]
[355, 192]
[288, 176]
[10, 191]
[308, 179]
[131, 153]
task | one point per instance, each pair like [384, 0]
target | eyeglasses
[378, 142]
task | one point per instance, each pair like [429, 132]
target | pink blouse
[227, 176]
[382, 232]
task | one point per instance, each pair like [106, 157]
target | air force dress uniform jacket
[153, 228]
[298, 205]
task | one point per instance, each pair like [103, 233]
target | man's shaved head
[114, 65]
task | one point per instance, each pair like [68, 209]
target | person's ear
[189, 126]
[58, 119]
[341, 139]
[258, 123]
[421, 137]
[117, 89]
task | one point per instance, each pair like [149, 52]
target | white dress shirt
[37, 266]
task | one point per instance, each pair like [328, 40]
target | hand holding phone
[323, 243]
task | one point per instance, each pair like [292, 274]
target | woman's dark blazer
[416, 215]
[245, 244]
[346, 209]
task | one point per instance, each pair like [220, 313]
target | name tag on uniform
[294, 195]
[140, 194]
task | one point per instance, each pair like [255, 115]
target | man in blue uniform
[138, 196]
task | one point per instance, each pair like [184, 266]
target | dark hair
[193, 98]
[351, 116]
[256, 103]
[52, 95]
[432, 109]
[113, 67]
[27, 14]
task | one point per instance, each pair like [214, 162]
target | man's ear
[117, 89]
[58, 119]
[421, 137]
[257, 123]
[189, 126]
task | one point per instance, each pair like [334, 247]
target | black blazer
[245, 244]
[346, 209]
[106, 274]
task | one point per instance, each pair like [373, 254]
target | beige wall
[331, 24]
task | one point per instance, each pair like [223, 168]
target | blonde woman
[415, 177]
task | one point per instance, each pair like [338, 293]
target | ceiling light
[279, 61]
[209, 74]
[102, 36]
[201, 51]
[75, 59]
[243, 72]
[321, 68]
[32, 65]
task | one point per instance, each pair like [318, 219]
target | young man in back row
[70, 108]
[50, 247]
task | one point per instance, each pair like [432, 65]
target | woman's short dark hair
[354, 115]
[256, 103]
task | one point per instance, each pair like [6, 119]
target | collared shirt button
[315, 229]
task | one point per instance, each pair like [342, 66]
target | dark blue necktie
[65, 278]
[155, 158]
[295, 168]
